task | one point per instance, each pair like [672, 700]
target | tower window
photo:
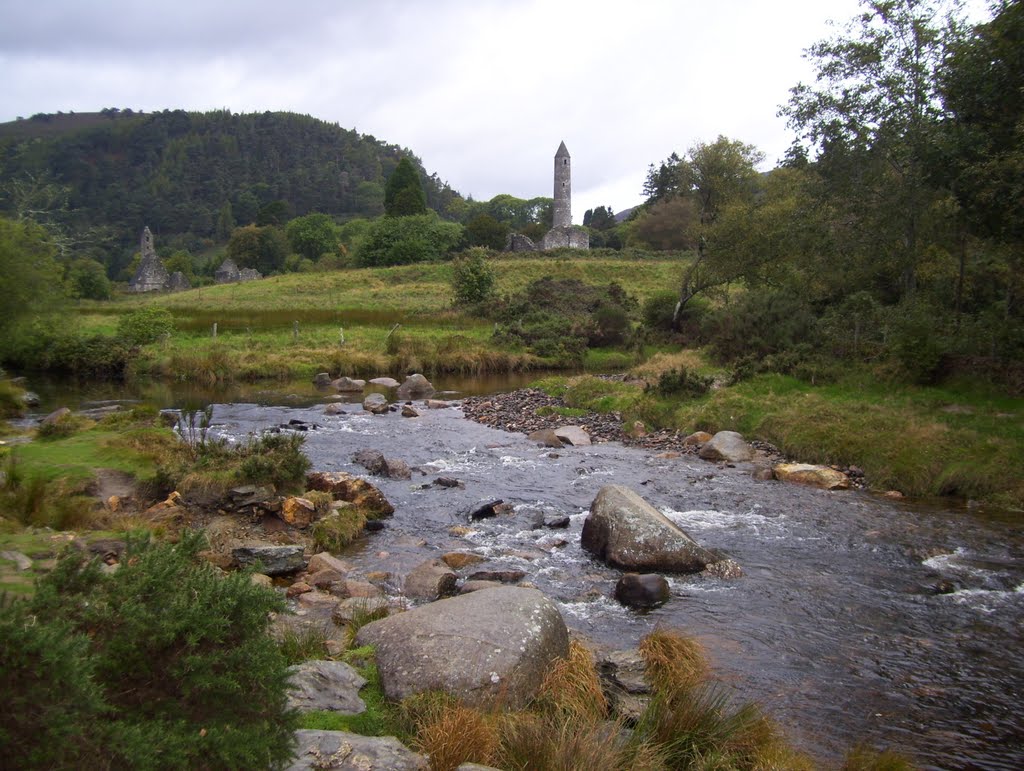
[565, 161]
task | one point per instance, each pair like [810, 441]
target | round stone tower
[563, 189]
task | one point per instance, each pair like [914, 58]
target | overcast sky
[481, 90]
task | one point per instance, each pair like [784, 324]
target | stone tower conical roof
[563, 152]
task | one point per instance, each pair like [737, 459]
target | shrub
[472, 278]
[760, 324]
[405, 240]
[145, 325]
[162, 664]
[275, 459]
[682, 382]
[916, 340]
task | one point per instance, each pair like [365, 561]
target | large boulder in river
[488, 647]
[430, 580]
[808, 474]
[415, 387]
[326, 686]
[627, 532]
[376, 404]
[349, 385]
[345, 487]
[728, 446]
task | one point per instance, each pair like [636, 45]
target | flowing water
[836, 628]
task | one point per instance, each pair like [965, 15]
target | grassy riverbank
[962, 441]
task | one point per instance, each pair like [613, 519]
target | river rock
[384, 382]
[322, 380]
[371, 460]
[502, 576]
[647, 590]
[415, 387]
[327, 561]
[546, 437]
[728, 446]
[21, 561]
[273, 560]
[476, 586]
[348, 385]
[345, 487]
[298, 512]
[334, 408]
[488, 647]
[396, 469]
[437, 404]
[573, 435]
[408, 411]
[344, 751]
[376, 404]
[329, 686]
[430, 580]
[457, 560]
[326, 578]
[809, 474]
[627, 532]
[697, 438]
[487, 510]
[351, 607]
[56, 417]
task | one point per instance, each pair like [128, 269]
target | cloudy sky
[481, 90]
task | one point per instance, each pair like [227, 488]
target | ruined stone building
[152, 276]
[229, 273]
[563, 233]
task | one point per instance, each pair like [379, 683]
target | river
[835, 629]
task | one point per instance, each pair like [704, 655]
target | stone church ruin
[152, 276]
[563, 233]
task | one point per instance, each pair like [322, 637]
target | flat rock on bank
[344, 751]
[487, 647]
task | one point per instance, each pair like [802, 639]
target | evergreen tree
[403, 193]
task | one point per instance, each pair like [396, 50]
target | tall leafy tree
[30, 278]
[872, 113]
[313, 235]
[403, 193]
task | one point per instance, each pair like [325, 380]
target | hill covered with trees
[98, 178]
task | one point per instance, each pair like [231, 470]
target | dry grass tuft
[865, 758]
[572, 688]
[672, 660]
[450, 733]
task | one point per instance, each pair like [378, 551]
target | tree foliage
[403, 193]
[30, 278]
[405, 240]
[313, 235]
[472, 278]
[163, 664]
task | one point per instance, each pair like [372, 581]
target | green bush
[658, 310]
[760, 324]
[145, 325]
[682, 382]
[275, 459]
[472, 278]
[917, 341]
[48, 346]
[163, 664]
[405, 240]
[337, 530]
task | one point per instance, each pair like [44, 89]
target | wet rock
[396, 469]
[723, 568]
[361, 589]
[488, 647]
[371, 460]
[56, 417]
[326, 561]
[502, 576]
[334, 409]
[298, 512]
[322, 380]
[430, 580]
[343, 751]
[546, 437]
[352, 607]
[299, 587]
[458, 560]
[345, 487]
[376, 404]
[317, 599]
[323, 579]
[30, 399]
[697, 438]
[627, 532]
[408, 411]
[809, 474]
[763, 474]
[415, 387]
[647, 590]
[273, 560]
[447, 482]
[556, 521]
[384, 382]
[476, 586]
[437, 404]
[261, 579]
[728, 446]
[487, 510]
[348, 385]
[328, 686]
[573, 435]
